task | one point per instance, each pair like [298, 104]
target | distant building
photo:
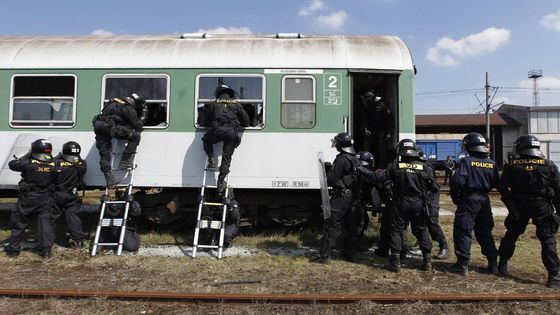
[507, 123]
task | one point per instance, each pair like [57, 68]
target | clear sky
[453, 42]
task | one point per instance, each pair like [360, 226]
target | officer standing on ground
[224, 117]
[449, 166]
[377, 124]
[340, 176]
[233, 216]
[34, 198]
[366, 194]
[474, 178]
[411, 179]
[121, 118]
[432, 220]
[529, 185]
[70, 171]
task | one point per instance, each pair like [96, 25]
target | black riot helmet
[475, 143]
[343, 142]
[407, 147]
[41, 150]
[365, 158]
[224, 89]
[528, 145]
[135, 100]
[71, 151]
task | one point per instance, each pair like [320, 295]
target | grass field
[277, 273]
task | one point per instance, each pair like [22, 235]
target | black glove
[328, 166]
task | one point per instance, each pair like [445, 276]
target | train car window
[249, 92]
[298, 102]
[43, 101]
[154, 87]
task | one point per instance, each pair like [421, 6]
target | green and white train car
[299, 91]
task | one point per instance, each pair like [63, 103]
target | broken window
[155, 88]
[249, 93]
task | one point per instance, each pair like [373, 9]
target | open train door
[374, 123]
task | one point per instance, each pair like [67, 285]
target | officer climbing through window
[411, 180]
[529, 186]
[121, 118]
[474, 178]
[340, 176]
[69, 178]
[224, 117]
[34, 198]
[376, 124]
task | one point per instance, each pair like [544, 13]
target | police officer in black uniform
[70, 171]
[377, 124]
[432, 220]
[529, 185]
[233, 216]
[411, 179]
[131, 241]
[224, 117]
[340, 176]
[366, 195]
[34, 198]
[121, 118]
[474, 178]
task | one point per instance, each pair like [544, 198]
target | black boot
[394, 264]
[111, 180]
[426, 262]
[212, 164]
[126, 163]
[46, 253]
[553, 280]
[503, 267]
[320, 259]
[461, 267]
[12, 254]
[443, 252]
[222, 185]
[492, 265]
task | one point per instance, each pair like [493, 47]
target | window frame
[74, 101]
[285, 101]
[141, 76]
[253, 75]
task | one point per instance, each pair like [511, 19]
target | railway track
[280, 298]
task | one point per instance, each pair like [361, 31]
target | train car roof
[214, 51]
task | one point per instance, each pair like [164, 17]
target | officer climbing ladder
[209, 223]
[105, 222]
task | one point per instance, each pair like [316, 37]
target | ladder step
[213, 204]
[115, 201]
[210, 224]
[107, 244]
[112, 222]
[208, 246]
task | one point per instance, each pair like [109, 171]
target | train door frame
[386, 84]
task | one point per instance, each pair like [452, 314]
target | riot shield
[324, 187]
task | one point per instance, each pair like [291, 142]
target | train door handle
[345, 123]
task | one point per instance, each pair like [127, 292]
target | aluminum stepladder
[210, 224]
[119, 222]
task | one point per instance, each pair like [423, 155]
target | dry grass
[278, 274]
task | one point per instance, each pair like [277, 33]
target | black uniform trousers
[228, 135]
[540, 211]
[474, 212]
[343, 216]
[409, 209]
[69, 204]
[30, 204]
[436, 233]
[104, 133]
[385, 230]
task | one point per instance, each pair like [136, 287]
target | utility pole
[487, 109]
[535, 75]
